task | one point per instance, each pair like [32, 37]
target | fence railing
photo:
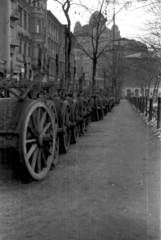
[151, 112]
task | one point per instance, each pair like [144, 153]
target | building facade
[27, 26]
[23, 23]
[55, 48]
[135, 78]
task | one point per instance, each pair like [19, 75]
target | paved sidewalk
[107, 187]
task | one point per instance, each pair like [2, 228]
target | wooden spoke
[46, 128]
[36, 146]
[31, 151]
[34, 159]
[39, 161]
[43, 118]
[31, 141]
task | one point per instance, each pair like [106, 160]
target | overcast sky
[130, 21]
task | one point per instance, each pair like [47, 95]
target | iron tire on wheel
[94, 106]
[37, 139]
[74, 116]
[52, 108]
[81, 108]
[65, 138]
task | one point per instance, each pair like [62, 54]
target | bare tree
[98, 38]
[151, 64]
[96, 34]
[66, 5]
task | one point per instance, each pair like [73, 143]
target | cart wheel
[89, 110]
[65, 120]
[74, 116]
[101, 108]
[87, 117]
[52, 108]
[81, 107]
[56, 152]
[94, 105]
[37, 139]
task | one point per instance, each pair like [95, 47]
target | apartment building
[24, 26]
[55, 47]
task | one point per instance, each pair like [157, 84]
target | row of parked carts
[40, 125]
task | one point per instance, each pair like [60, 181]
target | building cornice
[52, 17]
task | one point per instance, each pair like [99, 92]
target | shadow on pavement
[10, 168]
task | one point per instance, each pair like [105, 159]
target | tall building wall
[4, 30]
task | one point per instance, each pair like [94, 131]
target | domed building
[96, 18]
[77, 26]
[86, 37]
[116, 31]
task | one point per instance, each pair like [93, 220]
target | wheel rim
[67, 135]
[52, 108]
[82, 127]
[65, 119]
[74, 119]
[37, 142]
[56, 152]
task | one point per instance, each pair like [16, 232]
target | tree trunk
[94, 75]
[66, 62]
[69, 63]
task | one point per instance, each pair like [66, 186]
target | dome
[95, 17]
[115, 27]
[116, 30]
[77, 26]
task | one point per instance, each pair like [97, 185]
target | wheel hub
[44, 138]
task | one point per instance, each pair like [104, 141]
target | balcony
[14, 42]
[38, 37]
[16, 69]
[15, 14]
[39, 11]
[2, 66]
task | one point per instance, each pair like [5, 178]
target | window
[20, 47]
[29, 23]
[24, 49]
[21, 12]
[29, 51]
[86, 66]
[52, 47]
[49, 44]
[11, 23]
[48, 26]
[25, 20]
[38, 26]
[86, 75]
